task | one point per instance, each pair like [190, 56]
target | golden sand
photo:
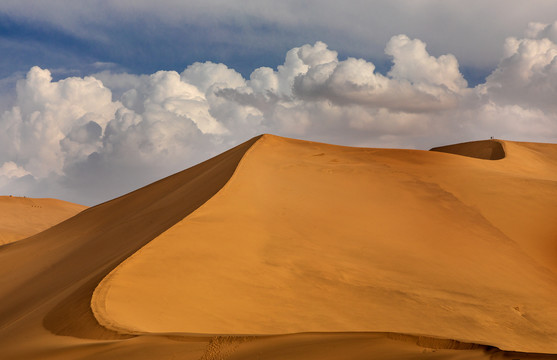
[22, 217]
[351, 253]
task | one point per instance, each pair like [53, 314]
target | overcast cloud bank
[105, 134]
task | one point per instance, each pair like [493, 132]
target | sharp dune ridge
[347, 250]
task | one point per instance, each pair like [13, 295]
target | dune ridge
[56, 284]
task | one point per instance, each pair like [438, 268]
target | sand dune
[484, 149]
[316, 238]
[21, 217]
[346, 251]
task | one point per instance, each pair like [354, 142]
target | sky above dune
[98, 97]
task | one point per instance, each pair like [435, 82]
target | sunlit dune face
[313, 237]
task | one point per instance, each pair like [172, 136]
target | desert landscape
[290, 249]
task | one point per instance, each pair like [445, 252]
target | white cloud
[11, 170]
[527, 74]
[118, 131]
[412, 62]
[11, 176]
[207, 75]
[45, 114]
[417, 81]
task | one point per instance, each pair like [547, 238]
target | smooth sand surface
[21, 217]
[344, 250]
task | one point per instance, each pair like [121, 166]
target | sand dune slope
[309, 237]
[46, 281]
[22, 217]
[347, 251]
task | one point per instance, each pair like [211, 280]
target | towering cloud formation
[518, 98]
[118, 131]
[54, 122]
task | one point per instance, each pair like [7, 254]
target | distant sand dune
[351, 253]
[485, 149]
[21, 217]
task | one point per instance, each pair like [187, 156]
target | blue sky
[98, 95]
[143, 37]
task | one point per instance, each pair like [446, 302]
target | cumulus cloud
[11, 170]
[12, 177]
[417, 81]
[527, 74]
[105, 134]
[517, 101]
[48, 112]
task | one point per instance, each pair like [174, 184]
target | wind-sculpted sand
[21, 217]
[286, 249]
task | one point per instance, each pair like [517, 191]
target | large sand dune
[21, 217]
[345, 249]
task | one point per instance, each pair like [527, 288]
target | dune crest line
[97, 302]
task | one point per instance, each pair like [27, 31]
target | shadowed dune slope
[309, 237]
[484, 149]
[47, 280]
[22, 217]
